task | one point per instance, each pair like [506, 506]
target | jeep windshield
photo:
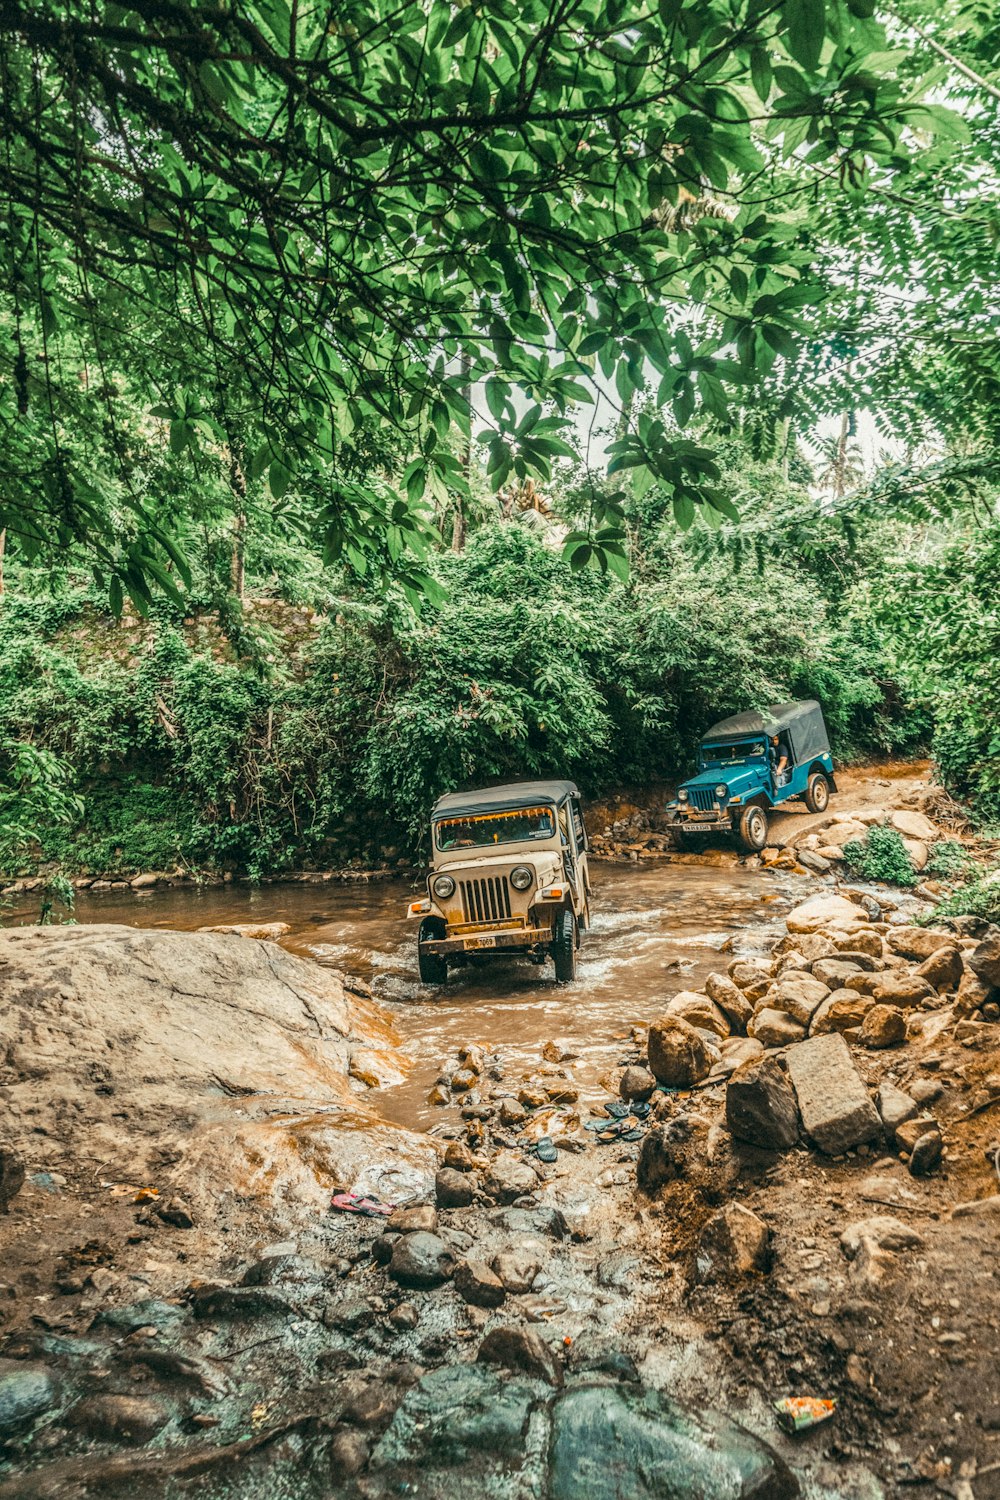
[732, 755]
[502, 826]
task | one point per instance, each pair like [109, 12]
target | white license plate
[484, 942]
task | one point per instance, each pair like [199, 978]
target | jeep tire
[817, 793]
[751, 831]
[564, 944]
[432, 967]
[678, 838]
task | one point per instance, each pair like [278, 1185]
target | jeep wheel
[817, 794]
[678, 838]
[751, 834]
[564, 946]
[433, 969]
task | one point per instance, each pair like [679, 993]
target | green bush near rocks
[881, 856]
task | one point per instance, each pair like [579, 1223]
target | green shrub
[948, 860]
[881, 856]
[980, 898]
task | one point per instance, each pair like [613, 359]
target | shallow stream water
[657, 929]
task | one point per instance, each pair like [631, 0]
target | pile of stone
[780, 1029]
[821, 848]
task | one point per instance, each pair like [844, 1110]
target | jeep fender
[818, 767]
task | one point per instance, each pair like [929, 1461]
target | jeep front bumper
[524, 938]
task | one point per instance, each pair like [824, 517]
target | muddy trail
[597, 1280]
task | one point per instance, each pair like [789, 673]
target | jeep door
[574, 842]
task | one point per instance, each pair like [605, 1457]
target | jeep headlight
[522, 877]
[722, 791]
[443, 886]
[683, 794]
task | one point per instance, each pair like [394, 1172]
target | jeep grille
[485, 900]
[702, 797]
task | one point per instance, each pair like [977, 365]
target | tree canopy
[261, 236]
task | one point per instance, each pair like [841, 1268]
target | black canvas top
[802, 723]
[511, 794]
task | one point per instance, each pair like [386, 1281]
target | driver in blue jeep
[749, 764]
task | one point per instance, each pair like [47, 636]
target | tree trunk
[458, 524]
[840, 466]
[3, 549]
[238, 487]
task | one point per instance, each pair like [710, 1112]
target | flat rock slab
[468, 1432]
[834, 1104]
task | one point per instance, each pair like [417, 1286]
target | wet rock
[926, 1154]
[119, 1419]
[775, 1028]
[517, 1270]
[239, 1302]
[736, 1050]
[813, 860]
[509, 1178]
[521, 1349]
[617, 1442]
[797, 994]
[420, 1219]
[902, 990]
[699, 1011]
[730, 999]
[273, 1270]
[881, 1230]
[455, 1428]
[761, 1107]
[733, 1243]
[744, 973]
[661, 1159]
[896, 1107]
[833, 1102]
[825, 911]
[636, 1083]
[27, 1391]
[463, 1080]
[439, 1095]
[678, 1055]
[151, 1312]
[404, 1317]
[883, 1026]
[421, 1260]
[349, 1452]
[476, 1283]
[453, 1189]
[512, 1112]
[11, 1177]
[533, 1096]
[458, 1157]
[918, 943]
[985, 959]
[944, 969]
[843, 1010]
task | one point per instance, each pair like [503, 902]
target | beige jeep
[509, 877]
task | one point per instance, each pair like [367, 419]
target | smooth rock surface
[761, 1108]
[833, 1102]
[678, 1056]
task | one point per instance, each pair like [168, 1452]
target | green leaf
[805, 30]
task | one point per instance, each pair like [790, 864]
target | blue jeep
[749, 764]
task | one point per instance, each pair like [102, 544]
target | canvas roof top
[775, 718]
[511, 794]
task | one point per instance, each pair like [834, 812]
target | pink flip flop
[354, 1203]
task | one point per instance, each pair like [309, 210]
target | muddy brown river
[657, 929]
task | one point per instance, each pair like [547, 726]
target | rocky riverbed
[785, 1188]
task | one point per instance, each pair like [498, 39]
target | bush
[980, 898]
[948, 860]
[881, 856]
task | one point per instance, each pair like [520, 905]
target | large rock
[744, 972]
[842, 1011]
[453, 1189]
[27, 1391]
[833, 1102]
[775, 1028]
[918, 943]
[896, 1107]
[661, 1158]
[421, 1260]
[798, 995]
[730, 999]
[733, 1243]
[475, 1282]
[509, 1178]
[914, 825]
[825, 911]
[119, 1419]
[213, 1066]
[882, 1231]
[678, 1056]
[761, 1107]
[883, 1026]
[985, 959]
[699, 1011]
[523, 1350]
[903, 990]
[861, 940]
[636, 1083]
[621, 1443]
[833, 971]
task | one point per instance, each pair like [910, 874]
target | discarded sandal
[617, 1131]
[640, 1110]
[356, 1203]
[544, 1149]
[617, 1109]
[632, 1135]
